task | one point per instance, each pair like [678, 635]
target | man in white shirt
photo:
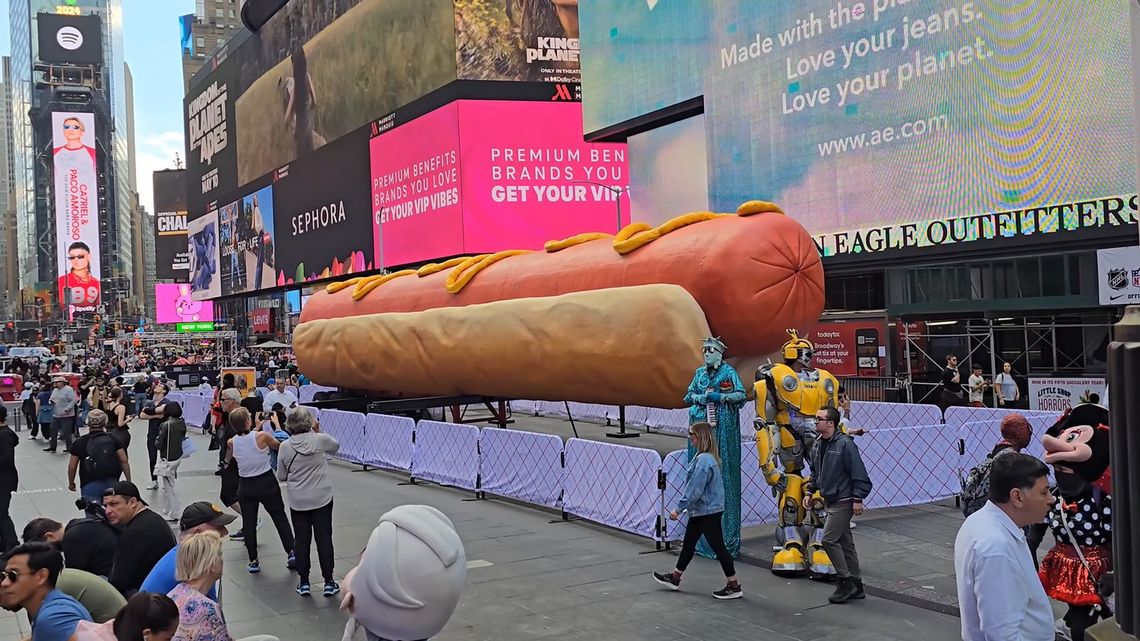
[999, 594]
[279, 394]
[977, 386]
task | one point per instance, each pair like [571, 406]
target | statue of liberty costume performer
[715, 396]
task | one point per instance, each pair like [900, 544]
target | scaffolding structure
[224, 343]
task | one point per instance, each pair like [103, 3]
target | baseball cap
[272, 381]
[203, 512]
[125, 489]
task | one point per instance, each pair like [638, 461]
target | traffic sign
[69, 330]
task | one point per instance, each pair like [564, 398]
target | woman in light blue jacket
[704, 502]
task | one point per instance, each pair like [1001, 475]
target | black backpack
[976, 486]
[102, 460]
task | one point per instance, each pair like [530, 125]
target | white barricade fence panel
[591, 412]
[196, 410]
[614, 485]
[550, 408]
[663, 420]
[871, 415]
[910, 465]
[348, 429]
[529, 408]
[521, 465]
[388, 441]
[447, 453]
[747, 420]
[980, 437]
[757, 505]
[675, 466]
[634, 415]
[959, 416]
[308, 392]
[316, 413]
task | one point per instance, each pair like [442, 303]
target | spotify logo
[69, 38]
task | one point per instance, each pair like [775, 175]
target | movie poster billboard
[246, 245]
[527, 40]
[211, 156]
[324, 214]
[76, 210]
[205, 272]
[320, 69]
[174, 304]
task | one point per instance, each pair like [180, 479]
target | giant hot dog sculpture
[595, 318]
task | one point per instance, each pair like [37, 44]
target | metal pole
[993, 358]
[909, 373]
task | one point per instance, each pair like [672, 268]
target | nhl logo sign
[1136, 277]
[1118, 278]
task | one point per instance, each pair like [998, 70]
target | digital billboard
[76, 210]
[245, 242]
[172, 258]
[889, 125]
[531, 40]
[323, 213]
[669, 171]
[174, 303]
[211, 148]
[457, 181]
[322, 68]
[69, 39]
[642, 56]
[205, 268]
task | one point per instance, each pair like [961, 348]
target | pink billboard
[483, 176]
[416, 212]
[173, 304]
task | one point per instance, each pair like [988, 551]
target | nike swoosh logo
[1115, 297]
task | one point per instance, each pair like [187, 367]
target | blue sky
[151, 48]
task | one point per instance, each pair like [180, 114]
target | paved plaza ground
[533, 576]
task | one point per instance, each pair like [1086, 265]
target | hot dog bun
[621, 346]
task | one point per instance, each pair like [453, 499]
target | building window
[201, 42]
[232, 16]
[219, 12]
[221, 41]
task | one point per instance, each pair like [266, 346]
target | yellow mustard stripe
[628, 239]
[372, 282]
[432, 268]
[461, 275]
[552, 246]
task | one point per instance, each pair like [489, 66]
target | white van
[42, 353]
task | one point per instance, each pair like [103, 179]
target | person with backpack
[171, 434]
[99, 458]
[1016, 433]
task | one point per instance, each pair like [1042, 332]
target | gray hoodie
[302, 462]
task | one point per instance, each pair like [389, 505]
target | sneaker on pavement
[728, 592]
[152, 487]
[238, 536]
[332, 588]
[170, 518]
[291, 563]
[304, 589]
[668, 580]
[254, 567]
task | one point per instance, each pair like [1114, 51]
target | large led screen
[642, 55]
[923, 124]
[76, 210]
[174, 303]
[457, 181]
[323, 213]
[205, 268]
[669, 171]
[172, 261]
[245, 241]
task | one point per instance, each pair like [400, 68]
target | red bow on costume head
[725, 386]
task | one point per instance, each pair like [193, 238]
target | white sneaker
[152, 487]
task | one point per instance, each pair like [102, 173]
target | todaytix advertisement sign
[1117, 212]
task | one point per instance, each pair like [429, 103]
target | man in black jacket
[9, 481]
[837, 472]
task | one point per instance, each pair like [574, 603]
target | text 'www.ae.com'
[913, 129]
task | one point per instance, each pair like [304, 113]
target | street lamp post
[617, 192]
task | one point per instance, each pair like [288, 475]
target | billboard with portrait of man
[76, 210]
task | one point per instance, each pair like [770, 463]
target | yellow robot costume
[788, 395]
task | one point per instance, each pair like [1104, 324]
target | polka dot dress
[1091, 521]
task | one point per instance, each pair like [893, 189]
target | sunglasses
[77, 257]
[822, 419]
[73, 127]
[10, 576]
